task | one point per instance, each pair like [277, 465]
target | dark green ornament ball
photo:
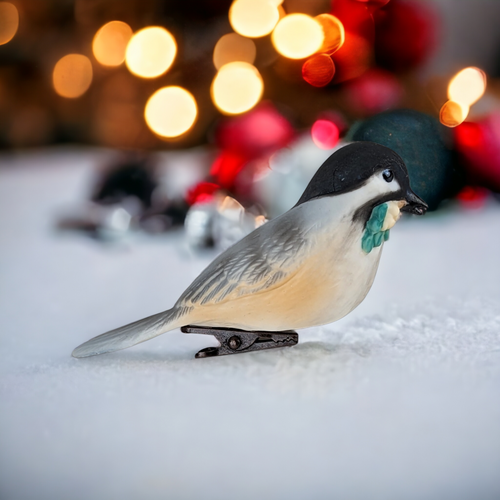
[416, 137]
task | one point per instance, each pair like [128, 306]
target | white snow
[400, 400]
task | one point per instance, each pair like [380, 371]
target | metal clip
[233, 341]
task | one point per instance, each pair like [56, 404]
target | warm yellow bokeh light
[298, 36]
[72, 75]
[453, 113]
[171, 111]
[467, 86]
[334, 32]
[110, 43]
[233, 47]
[236, 88]
[253, 18]
[150, 52]
[9, 22]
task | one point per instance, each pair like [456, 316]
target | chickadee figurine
[308, 267]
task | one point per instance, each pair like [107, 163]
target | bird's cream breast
[331, 281]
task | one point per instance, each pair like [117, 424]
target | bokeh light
[72, 75]
[150, 52]
[352, 59]
[116, 102]
[298, 36]
[478, 145]
[236, 88]
[334, 32]
[9, 22]
[171, 111]
[467, 86]
[253, 18]
[233, 47]
[325, 134]
[110, 43]
[453, 113]
[318, 70]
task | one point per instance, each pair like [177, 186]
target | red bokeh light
[202, 192]
[325, 134]
[468, 135]
[318, 70]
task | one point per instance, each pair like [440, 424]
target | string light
[72, 75]
[171, 111]
[453, 113]
[334, 33]
[233, 47]
[298, 36]
[464, 89]
[467, 86]
[236, 88]
[253, 18]
[110, 43]
[9, 22]
[150, 52]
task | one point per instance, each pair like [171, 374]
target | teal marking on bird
[373, 235]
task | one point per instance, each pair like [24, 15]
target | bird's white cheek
[392, 216]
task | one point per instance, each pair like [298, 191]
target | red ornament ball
[318, 70]
[373, 92]
[260, 132]
[406, 34]
[373, 5]
[226, 168]
[203, 192]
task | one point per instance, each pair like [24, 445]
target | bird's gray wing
[263, 260]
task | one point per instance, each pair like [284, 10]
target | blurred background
[139, 138]
[243, 82]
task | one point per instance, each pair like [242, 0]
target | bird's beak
[414, 204]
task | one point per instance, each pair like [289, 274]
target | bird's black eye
[388, 175]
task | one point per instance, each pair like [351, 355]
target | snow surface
[400, 400]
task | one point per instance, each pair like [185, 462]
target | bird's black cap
[350, 167]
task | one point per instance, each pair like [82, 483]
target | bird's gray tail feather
[129, 335]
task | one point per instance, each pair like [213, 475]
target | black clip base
[234, 341]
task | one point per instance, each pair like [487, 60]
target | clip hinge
[233, 341]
